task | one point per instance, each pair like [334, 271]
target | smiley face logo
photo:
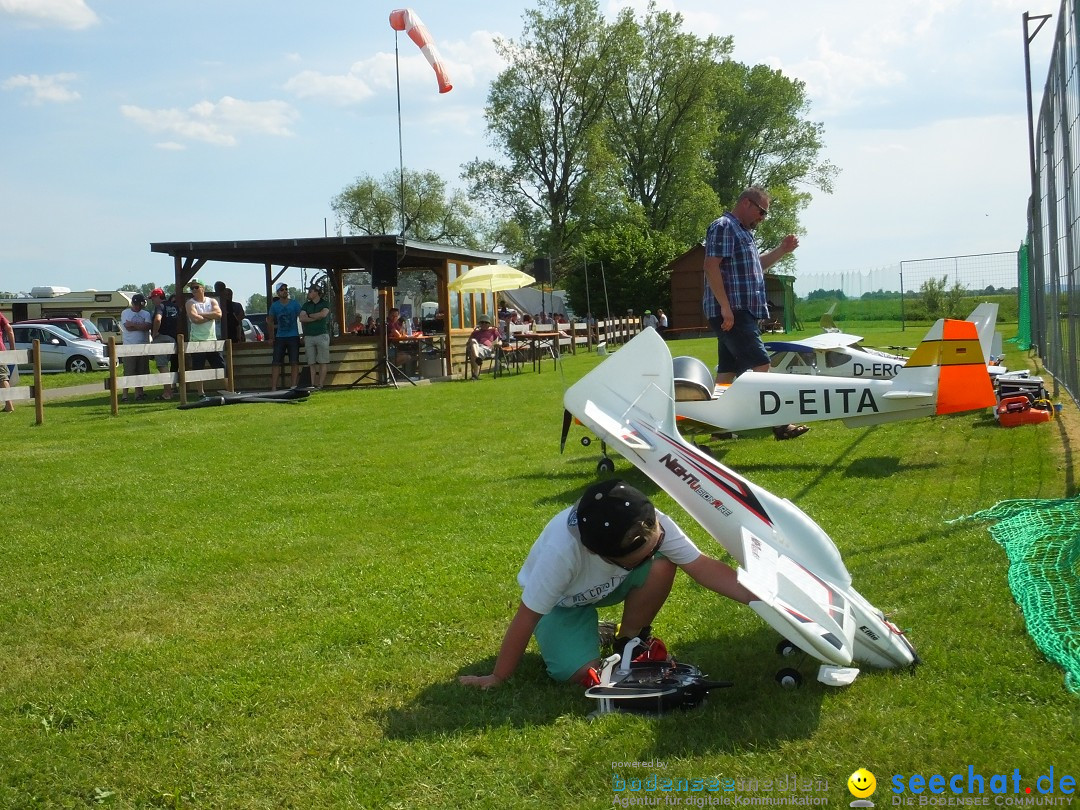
[861, 783]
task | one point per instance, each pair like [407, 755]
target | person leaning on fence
[612, 547]
[135, 324]
[314, 315]
[481, 344]
[7, 343]
[203, 313]
[163, 331]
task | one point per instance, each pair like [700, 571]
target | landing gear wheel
[585, 441]
[789, 678]
[786, 649]
[605, 466]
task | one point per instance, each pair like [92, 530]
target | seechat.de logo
[862, 785]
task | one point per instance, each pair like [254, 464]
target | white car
[60, 350]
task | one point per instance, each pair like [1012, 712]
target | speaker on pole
[542, 270]
[384, 270]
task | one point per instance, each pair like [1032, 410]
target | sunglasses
[643, 560]
[764, 211]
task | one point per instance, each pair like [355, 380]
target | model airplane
[837, 354]
[946, 374]
[791, 565]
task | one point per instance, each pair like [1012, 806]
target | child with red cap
[611, 547]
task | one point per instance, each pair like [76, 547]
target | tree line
[618, 143]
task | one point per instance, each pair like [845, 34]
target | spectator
[203, 313]
[135, 323]
[232, 314]
[480, 345]
[662, 318]
[7, 343]
[649, 320]
[315, 316]
[163, 330]
[283, 321]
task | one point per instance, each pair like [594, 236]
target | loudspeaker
[384, 269]
[542, 270]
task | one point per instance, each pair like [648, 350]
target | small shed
[688, 286]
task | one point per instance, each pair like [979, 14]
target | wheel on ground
[786, 648]
[605, 466]
[78, 364]
[789, 678]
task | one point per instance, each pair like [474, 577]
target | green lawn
[268, 605]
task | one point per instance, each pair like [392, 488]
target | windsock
[407, 20]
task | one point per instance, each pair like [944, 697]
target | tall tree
[546, 113]
[765, 140]
[374, 207]
[663, 119]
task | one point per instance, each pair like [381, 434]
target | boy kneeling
[611, 547]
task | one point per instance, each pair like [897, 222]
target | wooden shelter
[336, 256]
[688, 287]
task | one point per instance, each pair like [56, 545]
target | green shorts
[569, 638]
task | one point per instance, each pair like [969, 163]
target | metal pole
[1033, 200]
[401, 148]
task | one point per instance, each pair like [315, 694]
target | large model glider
[838, 354]
[791, 565]
[946, 374]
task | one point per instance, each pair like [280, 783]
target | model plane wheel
[605, 466]
[789, 678]
[585, 441]
[786, 648]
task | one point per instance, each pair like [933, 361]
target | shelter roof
[329, 253]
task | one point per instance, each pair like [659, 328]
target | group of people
[221, 317]
[612, 546]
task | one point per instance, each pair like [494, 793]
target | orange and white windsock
[407, 20]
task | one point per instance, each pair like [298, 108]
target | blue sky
[126, 122]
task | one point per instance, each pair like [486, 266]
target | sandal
[789, 432]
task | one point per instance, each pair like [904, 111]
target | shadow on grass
[754, 714]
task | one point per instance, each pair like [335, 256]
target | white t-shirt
[560, 571]
[133, 336]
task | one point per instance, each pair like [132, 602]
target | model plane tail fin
[950, 360]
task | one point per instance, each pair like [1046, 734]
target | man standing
[163, 330]
[232, 314]
[314, 315]
[203, 313]
[734, 299]
[285, 332]
[135, 323]
[7, 343]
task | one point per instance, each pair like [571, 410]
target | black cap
[606, 512]
[139, 298]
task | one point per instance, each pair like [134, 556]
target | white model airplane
[838, 354]
[791, 565]
[945, 374]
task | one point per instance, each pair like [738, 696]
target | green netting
[1023, 332]
[1042, 541]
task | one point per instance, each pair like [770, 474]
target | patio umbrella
[491, 278]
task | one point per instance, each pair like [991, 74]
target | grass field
[268, 605]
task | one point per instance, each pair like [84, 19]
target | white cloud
[340, 90]
[219, 123]
[74, 14]
[44, 89]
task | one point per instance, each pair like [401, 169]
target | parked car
[258, 320]
[60, 350]
[82, 328]
[251, 331]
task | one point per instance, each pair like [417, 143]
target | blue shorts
[569, 637]
[740, 348]
[287, 346]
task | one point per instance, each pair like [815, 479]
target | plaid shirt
[740, 267]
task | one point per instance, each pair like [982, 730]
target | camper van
[101, 307]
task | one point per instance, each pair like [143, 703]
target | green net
[1023, 331]
[1042, 541]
